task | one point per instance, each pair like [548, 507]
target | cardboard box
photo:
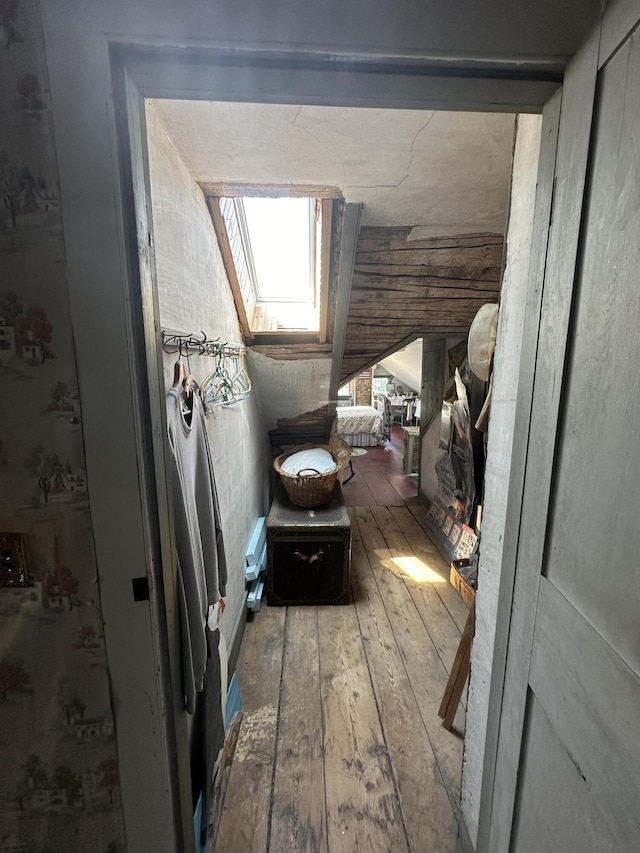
[457, 576]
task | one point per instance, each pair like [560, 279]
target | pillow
[315, 457]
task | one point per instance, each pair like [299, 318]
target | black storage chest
[308, 552]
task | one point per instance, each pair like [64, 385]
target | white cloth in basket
[317, 458]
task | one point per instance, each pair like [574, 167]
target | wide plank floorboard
[298, 819]
[251, 772]
[363, 809]
[411, 520]
[427, 580]
[423, 797]
[341, 748]
[422, 660]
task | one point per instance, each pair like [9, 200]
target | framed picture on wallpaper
[13, 564]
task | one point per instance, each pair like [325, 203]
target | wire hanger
[227, 384]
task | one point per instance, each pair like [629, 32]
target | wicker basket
[308, 488]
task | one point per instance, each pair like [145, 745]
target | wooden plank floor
[379, 476]
[340, 747]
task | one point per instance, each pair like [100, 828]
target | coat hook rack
[229, 382]
[178, 342]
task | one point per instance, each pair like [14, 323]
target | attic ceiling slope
[444, 170]
[407, 288]
[434, 188]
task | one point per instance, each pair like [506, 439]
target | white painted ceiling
[444, 172]
[406, 365]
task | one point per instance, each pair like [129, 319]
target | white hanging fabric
[201, 558]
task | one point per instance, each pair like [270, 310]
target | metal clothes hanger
[217, 388]
[240, 382]
[227, 384]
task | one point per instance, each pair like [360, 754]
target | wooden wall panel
[310, 427]
[403, 289]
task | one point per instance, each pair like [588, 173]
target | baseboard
[236, 637]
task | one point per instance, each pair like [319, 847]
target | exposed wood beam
[403, 289]
[506, 84]
[325, 266]
[348, 244]
[293, 351]
[231, 189]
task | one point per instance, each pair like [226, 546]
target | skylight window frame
[325, 260]
[246, 241]
[245, 236]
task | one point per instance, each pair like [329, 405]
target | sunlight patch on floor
[417, 570]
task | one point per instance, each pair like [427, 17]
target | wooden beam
[404, 289]
[380, 274]
[348, 243]
[231, 189]
[325, 266]
[431, 393]
[427, 262]
[293, 351]
[401, 237]
[336, 234]
[294, 77]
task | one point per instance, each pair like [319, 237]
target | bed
[360, 426]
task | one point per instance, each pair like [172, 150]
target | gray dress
[202, 574]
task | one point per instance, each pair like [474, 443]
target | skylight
[276, 244]
[282, 247]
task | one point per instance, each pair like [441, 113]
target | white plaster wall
[407, 167]
[194, 295]
[505, 388]
[285, 389]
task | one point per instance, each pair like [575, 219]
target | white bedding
[356, 420]
[313, 459]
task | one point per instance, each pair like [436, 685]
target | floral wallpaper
[59, 786]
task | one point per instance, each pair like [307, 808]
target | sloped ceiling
[434, 188]
[406, 365]
[402, 288]
[443, 172]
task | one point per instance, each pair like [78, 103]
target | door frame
[161, 75]
[561, 198]
[106, 240]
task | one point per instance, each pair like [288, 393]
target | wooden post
[433, 353]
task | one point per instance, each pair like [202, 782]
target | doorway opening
[400, 583]
[382, 99]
